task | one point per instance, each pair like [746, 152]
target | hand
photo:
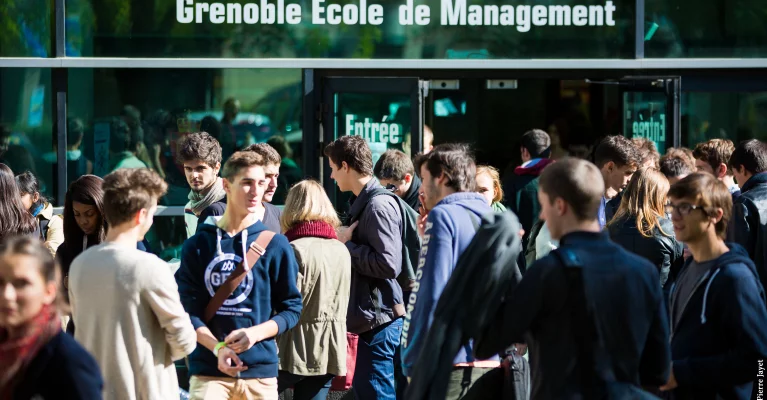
[241, 340]
[521, 348]
[422, 216]
[229, 363]
[344, 233]
[672, 383]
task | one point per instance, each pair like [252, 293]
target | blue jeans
[374, 372]
[305, 387]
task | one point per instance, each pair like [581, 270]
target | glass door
[651, 109]
[387, 112]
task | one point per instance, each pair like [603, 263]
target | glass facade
[25, 28]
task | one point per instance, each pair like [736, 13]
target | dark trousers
[305, 387]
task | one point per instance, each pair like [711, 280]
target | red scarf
[16, 354]
[318, 229]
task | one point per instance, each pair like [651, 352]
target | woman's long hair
[14, 219]
[307, 201]
[644, 199]
[85, 190]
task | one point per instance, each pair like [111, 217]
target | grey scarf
[200, 202]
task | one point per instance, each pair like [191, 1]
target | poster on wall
[36, 107]
[101, 148]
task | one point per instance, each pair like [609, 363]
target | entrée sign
[452, 12]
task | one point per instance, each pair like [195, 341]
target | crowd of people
[640, 275]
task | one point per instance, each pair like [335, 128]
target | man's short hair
[354, 151]
[714, 153]
[456, 161]
[239, 161]
[751, 155]
[536, 142]
[199, 146]
[708, 192]
[578, 182]
[647, 151]
[394, 165]
[270, 155]
[676, 163]
[128, 190]
[618, 149]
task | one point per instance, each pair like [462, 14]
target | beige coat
[55, 235]
[128, 315]
[317, 345]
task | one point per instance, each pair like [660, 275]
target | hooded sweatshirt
[720, 333]
[450, 227]
[268, 292]
[522, 189]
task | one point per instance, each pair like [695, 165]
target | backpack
[411, 241]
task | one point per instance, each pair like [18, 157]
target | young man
[200, 154]
[267, 213]
[395, 171]
[625, 320]
[676, 165]
[448, 173]
[618, 159]
[374, 240]
[125, 302]
[714, 157]
[716, 305]
[522, 186]
[749, 213]
[237, 357]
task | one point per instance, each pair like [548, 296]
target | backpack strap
[255, 251]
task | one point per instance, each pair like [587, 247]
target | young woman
[38, 359]
[640, 225]
[51, 227]
[84, 224]
[489, 186]
[313, 352]
[14, 218]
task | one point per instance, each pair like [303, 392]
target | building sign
[380, 136]
[360, 12]
[651, 126]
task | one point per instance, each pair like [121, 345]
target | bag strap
[255, 251]
[583, 331]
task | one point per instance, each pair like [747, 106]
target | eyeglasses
[684, 209]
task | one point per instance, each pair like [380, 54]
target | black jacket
[628, 309]
[62, 369]
[722, 331]
[665, 252]
[376, 249]
[612, 206]
[748, 226]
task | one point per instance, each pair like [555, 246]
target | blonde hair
[307, 201]
[645, 199]
[496, 177]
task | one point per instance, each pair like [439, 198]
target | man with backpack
[448, 175]
[237, 281]
[592, 312]
[718, 315]
[377, 240]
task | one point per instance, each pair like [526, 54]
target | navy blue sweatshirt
[268, 292]
[722, 331]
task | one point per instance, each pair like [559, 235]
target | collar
[756, 180]
[317, 229]
[412, 192]
[583, 236]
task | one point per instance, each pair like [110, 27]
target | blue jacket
[62, 369]
[450, 227]
[269, 292]
[721, 333]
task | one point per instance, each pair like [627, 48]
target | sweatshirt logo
[219, 269]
